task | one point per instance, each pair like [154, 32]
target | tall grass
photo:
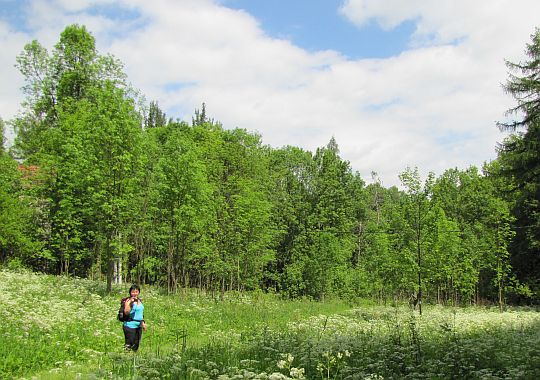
[57, 328]
[51, 323]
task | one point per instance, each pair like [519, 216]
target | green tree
[445, 271]
[332, 222]
[245, 232]
[54, 81]
[113, 135]
[480, 217]
[417, 208]
[453, 239]
[147, 264]
[2, 136]
[184, 201]
[156, 117]
[58, 86]
[519, 157]
[18, 243]
[292, 173]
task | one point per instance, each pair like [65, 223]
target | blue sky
[397, 83]
[318, 25]
[311, 24]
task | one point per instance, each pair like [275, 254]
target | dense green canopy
[105, 187]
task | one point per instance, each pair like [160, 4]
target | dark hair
[134, 287]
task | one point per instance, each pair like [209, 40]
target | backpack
[123, 317]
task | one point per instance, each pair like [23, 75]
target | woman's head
[134, 290]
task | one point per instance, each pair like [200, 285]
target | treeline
[100, 185]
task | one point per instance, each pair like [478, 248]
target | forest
[102, 185]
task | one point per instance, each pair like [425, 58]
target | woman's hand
[143, 324]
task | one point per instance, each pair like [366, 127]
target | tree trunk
[222, 293]
[170, 268]
[109, 262]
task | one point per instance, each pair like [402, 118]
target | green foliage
[519, 162]
[43, 313]
[156, 117]
[81, 130]
[2, 135]
[118, 192]
[256, 335]
[17, 242]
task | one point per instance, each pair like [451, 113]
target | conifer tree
[519, 157]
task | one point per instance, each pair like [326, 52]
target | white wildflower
[278, 376]
[297, 373]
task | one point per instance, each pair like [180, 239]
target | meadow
[66, 328]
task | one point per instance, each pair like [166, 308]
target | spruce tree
[519, 156]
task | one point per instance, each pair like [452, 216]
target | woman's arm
[127, 305]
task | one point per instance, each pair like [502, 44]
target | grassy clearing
[57, 328]
[66, 322]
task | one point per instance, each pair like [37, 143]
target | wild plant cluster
[378, 343]
[59, 327]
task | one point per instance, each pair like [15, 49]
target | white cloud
[10, 95]
[432, 106]
[454, 70]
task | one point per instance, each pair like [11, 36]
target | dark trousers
[132, 338]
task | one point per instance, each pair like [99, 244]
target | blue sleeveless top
[136, 313]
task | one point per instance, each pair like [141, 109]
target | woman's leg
[130, 338]
[137, 340]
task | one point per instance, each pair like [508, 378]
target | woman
[133, 307]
